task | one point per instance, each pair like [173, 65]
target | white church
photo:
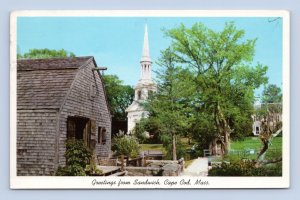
[142, 89]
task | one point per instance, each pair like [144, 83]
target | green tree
[119, 96]
[46, 53]
[167, 108]
[223, 75]
[272, 94]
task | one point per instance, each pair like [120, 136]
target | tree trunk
[226, 143]
[174, 146]
[122, 162]
[266, 141]
[223, 128]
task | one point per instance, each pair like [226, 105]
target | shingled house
[57, 99]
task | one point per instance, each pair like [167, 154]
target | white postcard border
[47, 182]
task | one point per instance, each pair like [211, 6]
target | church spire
[146, 54]
[146, 60]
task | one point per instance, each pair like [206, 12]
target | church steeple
[146, 54]
[146, 60]
[143, 88]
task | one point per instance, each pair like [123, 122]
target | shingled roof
[44, 83]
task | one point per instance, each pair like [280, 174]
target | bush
[126, 145]
[93, 170]
[245, 169]
[71, 170]
[77, 157]
[144, 132]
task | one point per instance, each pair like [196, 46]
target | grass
[254, 143]
[145, 147]
[238, 151]
[239, 147]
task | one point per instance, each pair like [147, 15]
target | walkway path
[199, 167]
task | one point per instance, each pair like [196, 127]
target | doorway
[79, 128]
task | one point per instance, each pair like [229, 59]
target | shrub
[71, 170]
[77, 157]
[126, 145]
[245, 169]
[92, 170]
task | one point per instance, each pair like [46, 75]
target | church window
[139, 94]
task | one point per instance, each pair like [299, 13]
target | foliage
[93, 170]
[223, 78]
[269, 114]
[71, 170]
[168, 113]
[272, 94]
[180, 149]
[126, 145]
[243, 164]
[46, 53]
[77, 157]
[146, 130]
[245, 169]
[77, 153]
[206, 86]
[119, 96]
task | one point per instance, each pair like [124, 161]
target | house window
[257, 130]
[101, 135]
[92, 91]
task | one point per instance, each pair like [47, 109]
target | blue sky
[116, 42]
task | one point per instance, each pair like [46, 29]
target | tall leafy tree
[46, 53]
[168, 110]
[119, 96]
[224, 76]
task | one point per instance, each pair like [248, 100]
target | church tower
[143, 88]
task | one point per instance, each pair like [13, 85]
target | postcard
[149, 99]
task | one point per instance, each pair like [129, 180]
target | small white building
[274, 118]
[143, 88]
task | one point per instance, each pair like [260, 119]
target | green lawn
[145, 147]
[238, 148]
[255, 143]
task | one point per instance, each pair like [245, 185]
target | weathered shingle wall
[42, 89]
[36, 131]
[48, 91]
[79, 103]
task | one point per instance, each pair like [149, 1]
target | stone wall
[156, 168]
[143, 171]
[36, 132]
